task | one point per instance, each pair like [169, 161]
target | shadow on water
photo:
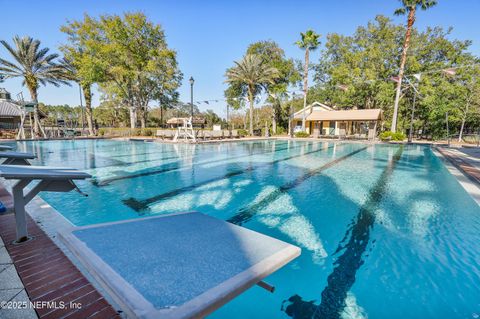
[245, 214]
[142, 205]
[178, 165]
[340, 281]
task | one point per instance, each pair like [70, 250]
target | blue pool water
[385, 230]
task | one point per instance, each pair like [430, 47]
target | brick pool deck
[49, 276]
[467, 160]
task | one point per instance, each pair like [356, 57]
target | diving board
[16, 158]
[183, 265]
[50, 179]
[5, 147]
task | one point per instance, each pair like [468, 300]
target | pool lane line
[342, 278]
[246, 213]
[162, 170]
[141, 205]
[123, 164]
[107, 181]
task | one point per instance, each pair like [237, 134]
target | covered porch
[362, 124]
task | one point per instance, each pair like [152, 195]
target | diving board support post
[16, 161]
[266, 286]
[20, 200]
[19, 209]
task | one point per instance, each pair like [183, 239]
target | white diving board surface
[50, 179]
[182, 265]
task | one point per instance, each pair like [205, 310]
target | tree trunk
[274, 120]
[464, 118]
[305, 87]
[133, 117]
[87, 94]
[143, 117]
[36, 118]
[161, 116]
[406, 44]
[250, 98]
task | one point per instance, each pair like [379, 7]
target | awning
[346, 115]
[180, 120]
[9, 109]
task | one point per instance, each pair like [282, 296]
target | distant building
[10, 112]
[323, 120]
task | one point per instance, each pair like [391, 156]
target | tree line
[381, 65]
[126, 56]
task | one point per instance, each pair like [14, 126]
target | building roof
[315, 106]
[9, 109]
[180, 120]
[346, 115]
[320, 112]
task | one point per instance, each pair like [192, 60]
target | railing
[472, 139]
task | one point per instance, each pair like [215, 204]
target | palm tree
[309, 42]
[253, 75]
[410, 7]
[35, 66]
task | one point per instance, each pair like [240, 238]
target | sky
[209, 35]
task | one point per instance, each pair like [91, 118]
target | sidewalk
[466, 159]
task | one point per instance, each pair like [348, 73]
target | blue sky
[210, 35]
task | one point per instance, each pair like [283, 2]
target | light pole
[192, 81]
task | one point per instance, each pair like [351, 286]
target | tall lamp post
[192, 81]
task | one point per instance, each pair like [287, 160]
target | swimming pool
[385, 230]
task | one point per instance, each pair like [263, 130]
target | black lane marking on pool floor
[141, 205]
[246, 213]
[178, 165]
[342, 278]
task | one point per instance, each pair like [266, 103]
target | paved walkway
[466, 159]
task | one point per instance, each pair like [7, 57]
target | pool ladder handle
[266, 286]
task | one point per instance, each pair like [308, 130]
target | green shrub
[147, 132]
[101, 131]
[281, 130]
[302, 134]
[242, 132]
[390, 136]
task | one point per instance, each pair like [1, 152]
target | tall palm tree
[253, 75]
[309, 42]
[35, 66]
[410, 7]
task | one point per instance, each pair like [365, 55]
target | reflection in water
[342, 278]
